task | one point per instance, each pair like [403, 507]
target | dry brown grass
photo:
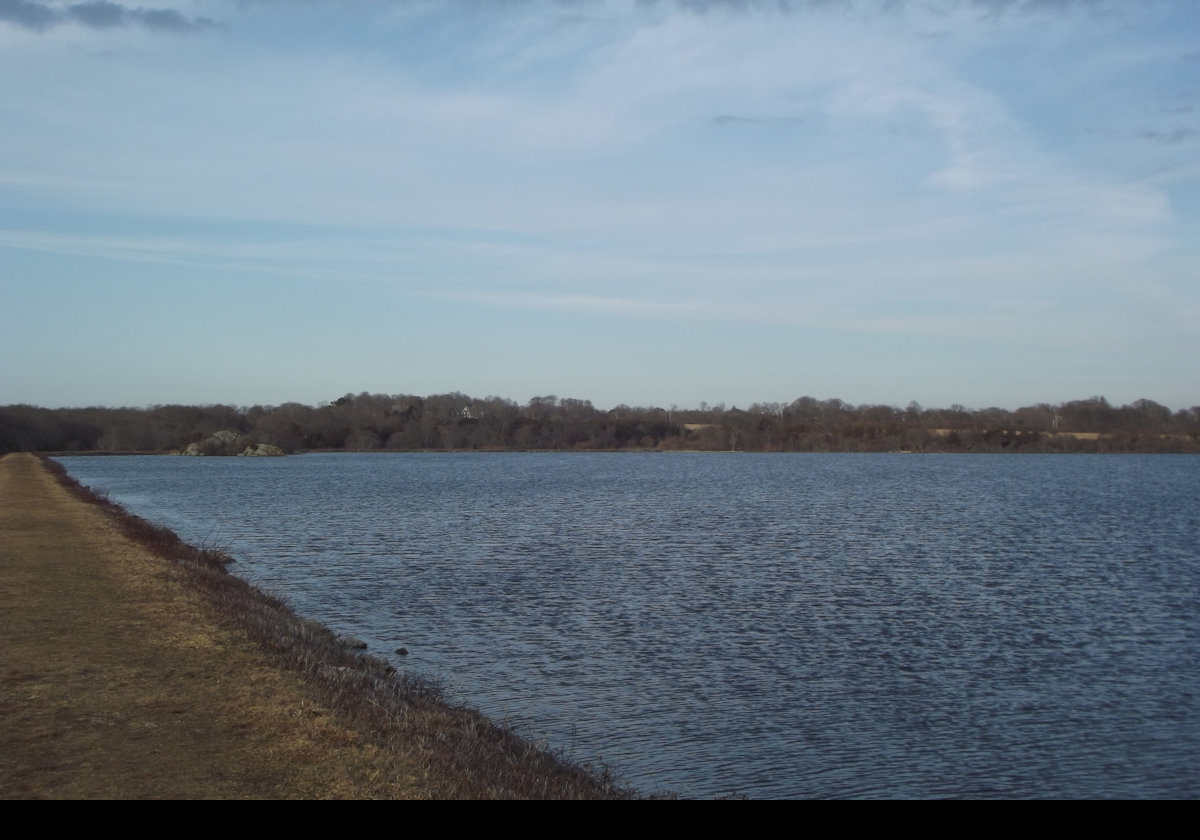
[136, 666]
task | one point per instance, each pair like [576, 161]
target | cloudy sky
[652, 203]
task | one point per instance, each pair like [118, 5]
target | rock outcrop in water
[231, 443]
[263, 449]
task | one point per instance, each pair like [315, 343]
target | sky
[648, 202]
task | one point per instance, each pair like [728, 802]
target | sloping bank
[135, 666]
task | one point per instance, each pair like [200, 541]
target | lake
[772, 625]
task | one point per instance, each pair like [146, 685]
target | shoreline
[136, 666]
[665, 452]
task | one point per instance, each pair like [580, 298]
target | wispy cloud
[40, 16]
[1178, 134]
[28, 14]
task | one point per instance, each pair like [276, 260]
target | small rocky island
[229, 443]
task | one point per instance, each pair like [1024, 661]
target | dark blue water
[772, 625]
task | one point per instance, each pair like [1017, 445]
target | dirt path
[116, 681]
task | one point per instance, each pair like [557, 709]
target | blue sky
[651, 203]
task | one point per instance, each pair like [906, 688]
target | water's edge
[475, 756]
[782, 625]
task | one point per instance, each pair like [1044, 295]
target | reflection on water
[775, 625]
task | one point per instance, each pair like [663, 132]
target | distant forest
[454, 422]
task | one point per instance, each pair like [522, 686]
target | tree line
[456, 421]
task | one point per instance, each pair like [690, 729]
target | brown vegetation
[135, 666]
[368, 422]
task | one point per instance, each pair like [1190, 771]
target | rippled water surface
[772, 625]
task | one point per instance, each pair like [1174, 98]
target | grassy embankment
[135, 665]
